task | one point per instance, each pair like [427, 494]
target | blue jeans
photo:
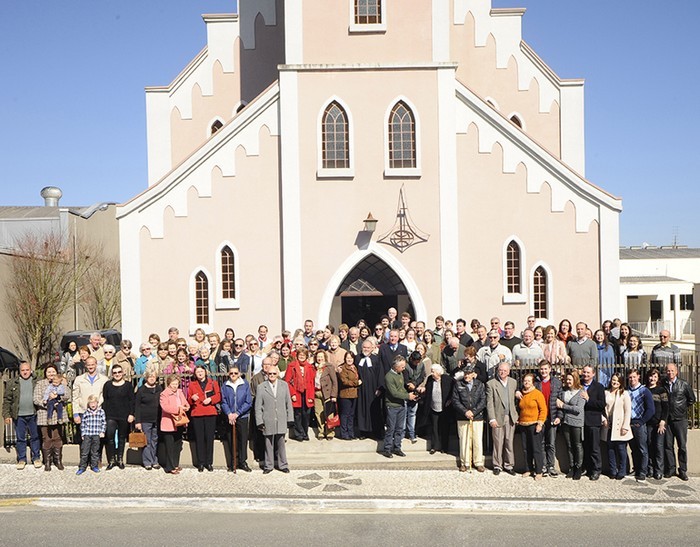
[395, 420]
[150, 451]
[410, 425]
[22, 424]
[617, 458]
[640, 450]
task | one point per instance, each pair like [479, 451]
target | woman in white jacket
[618, 408]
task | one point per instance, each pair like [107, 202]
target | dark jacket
[660, 396]
[240, 403]
[554, 392]
[386, 356]
[680, 398]
[463, 399]
[595, 405]
[147, 404]
[446, 389]
[10, 401]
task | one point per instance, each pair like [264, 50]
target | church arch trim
[324, 309]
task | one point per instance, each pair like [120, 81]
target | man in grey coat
[274, 414]
[503, 415]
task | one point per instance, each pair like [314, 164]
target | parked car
[8, 360]
[82, 338]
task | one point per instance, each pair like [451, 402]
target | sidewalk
[356, 490]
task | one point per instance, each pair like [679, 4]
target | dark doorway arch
[371, 288]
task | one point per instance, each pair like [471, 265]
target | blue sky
[74, 73]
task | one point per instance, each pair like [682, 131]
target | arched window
[335, 138]
[513, 269]
[540, 302]
[516, 121]
[402, 137]
[201, 298]
[228, 273]
[218, 124]
[228, 277]
[368, 12]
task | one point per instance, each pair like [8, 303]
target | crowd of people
[387, 383]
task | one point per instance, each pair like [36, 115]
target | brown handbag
[180, 419]
[137, 439]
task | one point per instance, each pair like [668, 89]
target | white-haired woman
[104, 366]
[438, 397]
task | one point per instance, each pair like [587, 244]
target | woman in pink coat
[172, 403]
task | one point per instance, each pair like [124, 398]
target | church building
[327, 159]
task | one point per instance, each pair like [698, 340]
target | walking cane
[470, 450]
[234, 449]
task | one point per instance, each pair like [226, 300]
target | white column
[609, 241]
[290, 187]
[447, 172]
[293, 32]
[130, 275]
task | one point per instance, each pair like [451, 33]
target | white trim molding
[514, 298]
[402, 172]
[356, 28]
[192, 300]
[550, 293]
[221, 302]
[324, 309]
[323, 172]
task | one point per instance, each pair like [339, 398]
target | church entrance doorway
[368, 291]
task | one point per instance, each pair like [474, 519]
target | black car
[8, 360]
[82, 338]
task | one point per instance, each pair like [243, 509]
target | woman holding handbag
[203, 395]
[174, 406]
[325, 396]
[146, 416]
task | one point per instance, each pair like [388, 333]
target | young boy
[92, 429]
[58, 387]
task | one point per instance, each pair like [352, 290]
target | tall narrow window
[368, 12]
[539, 293]
[201, 298]
[513, 281]
[228, 273]
[402, 137]
[335, 139]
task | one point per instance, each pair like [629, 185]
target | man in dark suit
[594, 394]
[389, 351]
[352, 342]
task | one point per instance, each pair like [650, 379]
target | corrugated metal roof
[638, 253]
[652, 279]
[23, 212]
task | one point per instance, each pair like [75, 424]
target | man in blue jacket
[236, 402]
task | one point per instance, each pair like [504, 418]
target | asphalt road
[34, 526]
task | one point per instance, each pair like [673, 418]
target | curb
[356, 505]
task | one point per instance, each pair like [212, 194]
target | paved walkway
[345, 490]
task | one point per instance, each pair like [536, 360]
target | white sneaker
[21, 465]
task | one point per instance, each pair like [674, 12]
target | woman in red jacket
[203, 396]
[301, 376]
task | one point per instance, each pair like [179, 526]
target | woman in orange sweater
[533, 413]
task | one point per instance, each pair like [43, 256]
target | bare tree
[101, 293]
[43, 278]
